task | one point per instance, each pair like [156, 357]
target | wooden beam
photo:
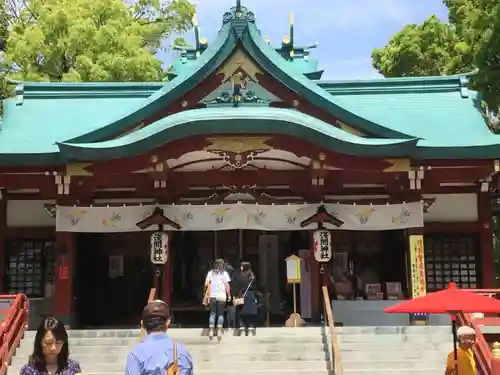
[466, 174]
[171, 150]
[335, 179]
[454, 163]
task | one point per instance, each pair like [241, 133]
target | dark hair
[155, 315]
[37, 358]
[219, 266]
[246, 270]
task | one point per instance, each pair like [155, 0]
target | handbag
[241, 300]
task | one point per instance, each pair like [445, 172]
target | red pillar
[63, 296]
[167, 275]
[315, 282]
[485, 231]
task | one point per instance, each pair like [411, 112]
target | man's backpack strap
[176, 354]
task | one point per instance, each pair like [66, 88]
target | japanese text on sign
[159, 248]
[322, 246]
[417, 262]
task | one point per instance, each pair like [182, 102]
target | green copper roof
[250, 120]
[246, 120]
[427, 117]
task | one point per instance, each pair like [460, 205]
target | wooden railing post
[3, 350]
[495, 359]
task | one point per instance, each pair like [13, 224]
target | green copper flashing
[251, 120]
[424, 85]
[267, 57]
[246, 120]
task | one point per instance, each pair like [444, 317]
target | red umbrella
[446, 301]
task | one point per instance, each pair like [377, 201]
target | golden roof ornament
[495, 350]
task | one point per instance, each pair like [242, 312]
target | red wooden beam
[335, 179]
[189, 100]
[297, 146]
[471, 174]
[455, 163]
[301, 147]
[171, 150]
[26, 181]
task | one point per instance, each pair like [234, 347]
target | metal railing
[12, 327]
[334, 349]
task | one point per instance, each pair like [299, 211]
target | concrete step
[226, 372]
[214, 366]
[257, 340]
[394, 347]
[199, 357]
[394, 330]
[395, 364]
[200, 346]
[379, 355]
[409, 371]
[176, 333]
[393, 338]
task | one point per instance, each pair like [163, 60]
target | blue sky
[346, 30]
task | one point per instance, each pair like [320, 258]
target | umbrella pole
[454, 333]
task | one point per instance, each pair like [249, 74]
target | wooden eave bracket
[428, 203]
[157, 218]
[321, 217]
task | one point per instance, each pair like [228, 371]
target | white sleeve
[208, 279]
[227, 279]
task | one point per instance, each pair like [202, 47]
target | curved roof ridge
[388, 80]
[214, 55]
[227, 120]
[457, 83]
[266, 55]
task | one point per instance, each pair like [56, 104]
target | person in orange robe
[465, 356]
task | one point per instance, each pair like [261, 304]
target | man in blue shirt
[154, 354]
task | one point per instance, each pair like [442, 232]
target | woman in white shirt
[217, 285]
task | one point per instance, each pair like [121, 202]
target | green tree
[4, 34]
[4, 25]
[469, 42]
[432, 48]
[89, 40]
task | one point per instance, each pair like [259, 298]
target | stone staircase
[394, 350]
[276, 351]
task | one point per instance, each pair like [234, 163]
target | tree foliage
[4, 25]
[89, 40]
[469, 42]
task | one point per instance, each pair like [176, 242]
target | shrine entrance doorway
[193, 254]
[113, 275]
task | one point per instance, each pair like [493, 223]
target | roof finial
[238, 5]
[196, 34]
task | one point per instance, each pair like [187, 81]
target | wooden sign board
[63, 272]
[293, 269]
[159, 248]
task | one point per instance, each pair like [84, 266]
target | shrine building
[239, 148]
